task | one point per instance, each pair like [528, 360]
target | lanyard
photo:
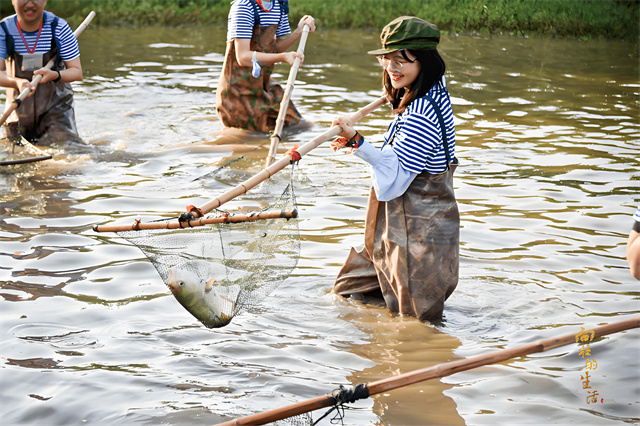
[25, 41]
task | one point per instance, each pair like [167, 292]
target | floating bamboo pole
[436, 371]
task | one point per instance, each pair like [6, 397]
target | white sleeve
[390, 179]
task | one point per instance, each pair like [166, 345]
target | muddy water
[548, 141]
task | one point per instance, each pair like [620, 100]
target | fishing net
[220, 270]
[300, 420]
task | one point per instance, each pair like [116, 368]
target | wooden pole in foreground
[232, 218]
[284, 105]
[49, 65]
[260, 176]
[436, 371]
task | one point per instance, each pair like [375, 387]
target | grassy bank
[555, 18]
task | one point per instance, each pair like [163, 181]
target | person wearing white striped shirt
[258, 36]
[411, 251]
[28, 40]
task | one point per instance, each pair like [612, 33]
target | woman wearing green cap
[412, 228]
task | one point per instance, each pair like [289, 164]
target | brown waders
[411, 250]
[252, 103]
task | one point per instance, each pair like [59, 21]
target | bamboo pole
[436, 371]
[286, 160]
[36, 153]
[25, 160]
[232, 218]
[284, 105]
[16, 103]
[261, 176]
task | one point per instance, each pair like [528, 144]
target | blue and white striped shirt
[242, 19]
[395, 167]
[636, 215]
[69, 49]
[418, 140]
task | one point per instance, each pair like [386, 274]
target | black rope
[354, 394]
[342, 396]
[185, 217]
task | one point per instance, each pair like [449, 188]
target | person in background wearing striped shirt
[411, 249]
[28, 40]
[633, 246]
[258, 36]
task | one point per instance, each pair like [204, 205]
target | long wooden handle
[48, 66]
[286, 160]
[284, 105]
[436, 371]
[259, 177]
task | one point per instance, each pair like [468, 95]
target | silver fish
[201, 299]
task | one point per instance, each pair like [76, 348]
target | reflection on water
[547, 135]
[391, 344]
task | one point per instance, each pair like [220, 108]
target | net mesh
[299, 420]
[219, 271]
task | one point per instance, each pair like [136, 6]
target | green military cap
[408, 32]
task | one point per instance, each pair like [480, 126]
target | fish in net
[219, 270]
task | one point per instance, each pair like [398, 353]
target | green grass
[555, 18]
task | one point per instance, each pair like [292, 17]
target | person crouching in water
[28, 40]
[257, 37]
[411, 250]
